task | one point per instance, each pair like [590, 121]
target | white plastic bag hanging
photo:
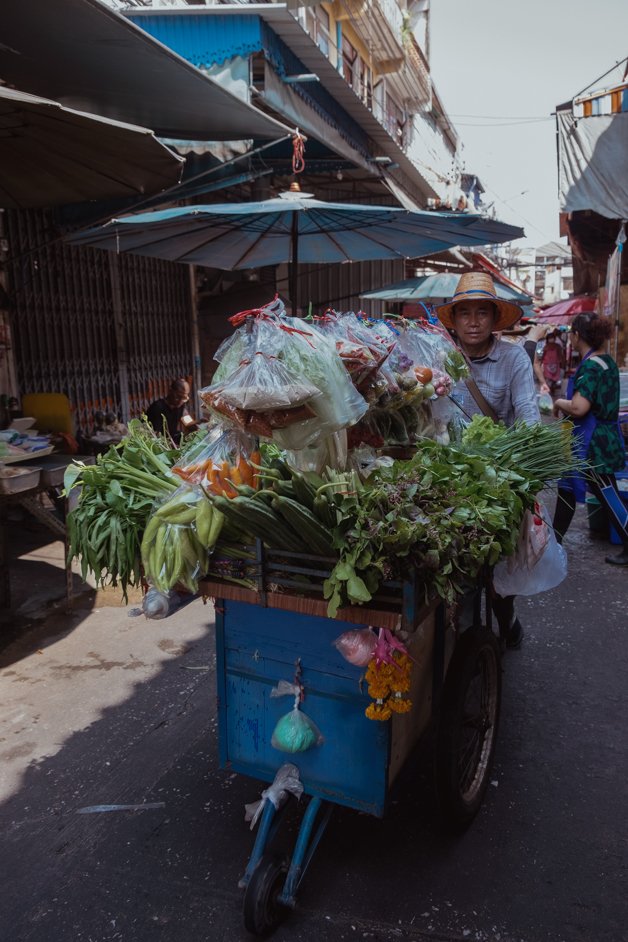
[538, 564]
[285, 783]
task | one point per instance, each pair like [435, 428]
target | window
[365, 82]
[395, 120]
[319, 26]
[349, 62]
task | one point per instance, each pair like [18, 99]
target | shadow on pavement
[543, 862]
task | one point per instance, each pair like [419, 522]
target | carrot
[215, 481]
[246, 471]
[230, 489]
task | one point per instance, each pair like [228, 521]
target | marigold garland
[387, 684]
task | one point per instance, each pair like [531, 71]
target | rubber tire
[476, 658]
[262, 911]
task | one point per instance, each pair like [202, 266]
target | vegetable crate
[263, 638]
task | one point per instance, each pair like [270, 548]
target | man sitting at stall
[501, 383]
[173, 410]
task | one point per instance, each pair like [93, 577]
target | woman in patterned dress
[592, 404]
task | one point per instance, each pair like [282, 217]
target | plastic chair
[52, 412]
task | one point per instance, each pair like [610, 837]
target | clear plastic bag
[340, 406]
[301, 352]
[359, 361]
[294, 731]
[285, 783]
[157, 604]
[546, 404]
[261, 382]
[331, 452]
[356, 646]
[172, 553]
[222, 460]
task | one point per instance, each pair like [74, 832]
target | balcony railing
[392, 15]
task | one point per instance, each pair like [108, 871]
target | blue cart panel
[358, 759]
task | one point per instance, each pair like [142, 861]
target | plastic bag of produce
[176, 539]
[309, 359]
[295, 731]
[262, 383]
[359, 361]
[221, 461]
[546, 404]
[340, 405]
[330, 452]
[356, 646]
[430, 347]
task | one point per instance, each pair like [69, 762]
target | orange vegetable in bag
[423, 374]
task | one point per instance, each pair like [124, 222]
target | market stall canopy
[291, 228]
[592, 163]
[51, 155]
[563, 312]
[437, 287]
[89, 57]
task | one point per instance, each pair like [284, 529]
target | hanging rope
[298, 150]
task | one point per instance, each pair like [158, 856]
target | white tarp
[593, 164]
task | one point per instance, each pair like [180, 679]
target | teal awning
[202, 41]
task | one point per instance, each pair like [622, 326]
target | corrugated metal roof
[88, 57]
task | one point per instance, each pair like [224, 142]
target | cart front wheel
[468, 726]
[262, 910]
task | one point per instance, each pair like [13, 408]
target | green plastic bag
[295, 731]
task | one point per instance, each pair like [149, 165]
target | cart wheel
[468, 726]
[262, 910]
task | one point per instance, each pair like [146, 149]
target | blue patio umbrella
[291, 228]
[438, 287]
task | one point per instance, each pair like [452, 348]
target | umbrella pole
[294, 263]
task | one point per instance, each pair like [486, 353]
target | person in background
[502, 380]
[173, 410]
[549, 364]
[592, 403]
[535, 334]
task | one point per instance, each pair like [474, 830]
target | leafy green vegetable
[445, 513]
[117, 495]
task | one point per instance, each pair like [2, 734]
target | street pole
[294, 263]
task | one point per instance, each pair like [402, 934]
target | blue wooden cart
[265, 636]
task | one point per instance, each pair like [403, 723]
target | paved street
[105, 709]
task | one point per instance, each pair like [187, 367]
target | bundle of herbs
[446, 513]
[116, 497]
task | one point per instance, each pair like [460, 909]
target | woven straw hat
[478, 286]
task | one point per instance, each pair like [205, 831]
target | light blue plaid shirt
[506, 380]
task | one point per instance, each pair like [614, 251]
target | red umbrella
[563, 312]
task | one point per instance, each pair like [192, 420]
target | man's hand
[544, 389]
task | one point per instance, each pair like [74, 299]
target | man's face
[179, 394]
[474, 322]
